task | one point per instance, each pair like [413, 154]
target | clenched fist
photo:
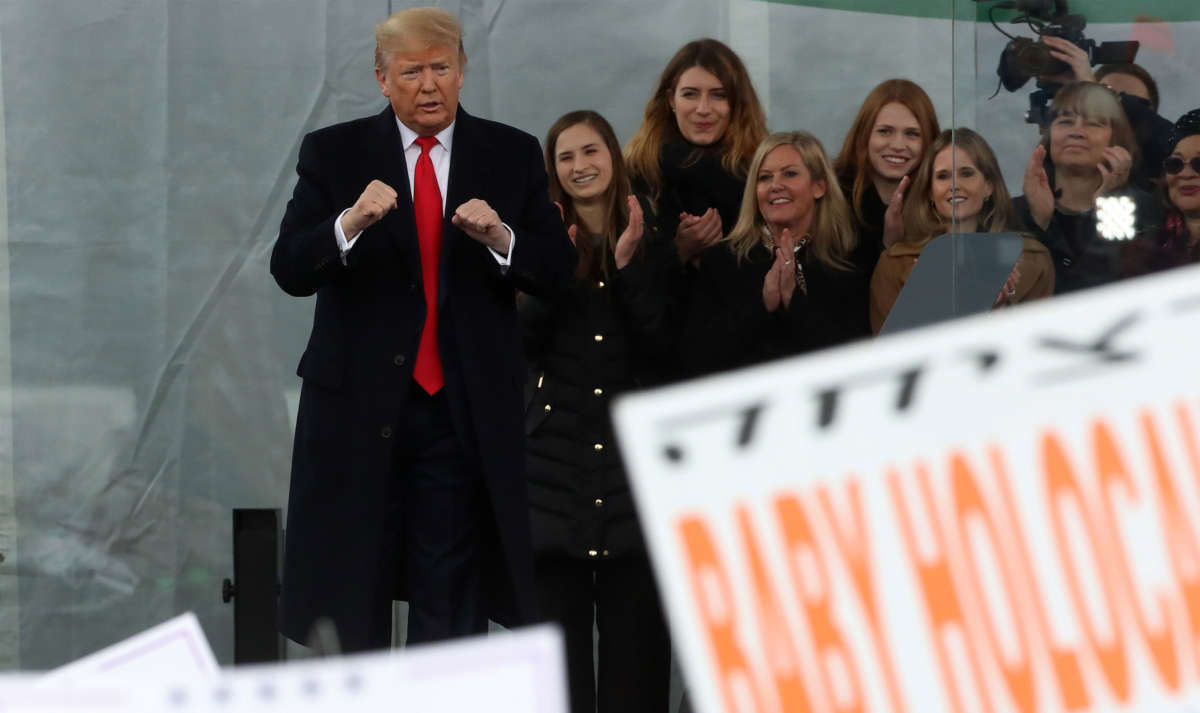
[376, 201]
[477, 219]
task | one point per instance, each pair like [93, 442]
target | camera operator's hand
[893, 219]
[1067, 52]
[1037, 189]
[1114, 170]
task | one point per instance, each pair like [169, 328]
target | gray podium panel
[957, 274]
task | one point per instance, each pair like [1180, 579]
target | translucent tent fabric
[147, 358]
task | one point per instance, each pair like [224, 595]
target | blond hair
[832, 238]
[415, 29]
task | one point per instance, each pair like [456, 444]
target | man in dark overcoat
[414, 228]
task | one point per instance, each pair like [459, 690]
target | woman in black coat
[790, 277]
[893, 129]
[600, 339]
[690, 154]
[1088, 152]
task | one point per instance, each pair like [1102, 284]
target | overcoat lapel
[400, 224]
[465, 182]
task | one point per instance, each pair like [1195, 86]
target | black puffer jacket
[601, 339]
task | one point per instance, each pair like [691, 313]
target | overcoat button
[386, 432]
[398, 360]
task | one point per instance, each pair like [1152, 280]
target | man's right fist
[376, 201]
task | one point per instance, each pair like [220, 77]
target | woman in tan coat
[958, 188]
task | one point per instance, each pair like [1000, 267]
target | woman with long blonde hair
[788, 278]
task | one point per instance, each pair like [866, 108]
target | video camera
[1024, 58]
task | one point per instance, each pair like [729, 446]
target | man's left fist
[477, 219]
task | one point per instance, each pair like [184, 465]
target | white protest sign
[176, 649]
[517, 672]
[998, 514]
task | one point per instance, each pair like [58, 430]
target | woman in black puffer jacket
[598, 340]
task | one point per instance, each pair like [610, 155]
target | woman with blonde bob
[957, 188]
[1087, 153]
[698, 133]
[788, 278]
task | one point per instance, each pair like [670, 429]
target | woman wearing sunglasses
[1178, 242]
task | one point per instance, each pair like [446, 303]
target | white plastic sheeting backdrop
[148, 149]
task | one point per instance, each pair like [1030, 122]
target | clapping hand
[1037, 188]
[780, 283]
[695, 233]
[1010, 287]
[629, 240]
[1114, 170]
[893, 219]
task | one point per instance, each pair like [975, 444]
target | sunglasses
[1174, 165]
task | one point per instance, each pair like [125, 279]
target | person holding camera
[1138, 94]
[1087, 153]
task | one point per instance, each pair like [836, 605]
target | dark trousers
[633, 670]
[438, 506]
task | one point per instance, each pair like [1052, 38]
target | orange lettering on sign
[968, 505]
[1071, 690]
[1181, 538]
[798, 539]
[1062, 484]
[718, 613]
[942, 600]
[781, 653]
[854, 544]
[1114, 475]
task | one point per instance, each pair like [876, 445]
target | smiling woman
[957, 188]
[1088, 153]
[1177, 242]
[884, 144]
[586, 346]
[789, 278]
[698, 132]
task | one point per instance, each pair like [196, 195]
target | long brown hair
[747, 122]
[592, 263]
[853, 162]
[921, 219]
[833, 238]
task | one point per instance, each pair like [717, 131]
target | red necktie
[427, 208]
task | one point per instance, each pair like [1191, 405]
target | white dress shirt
[439, 155]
